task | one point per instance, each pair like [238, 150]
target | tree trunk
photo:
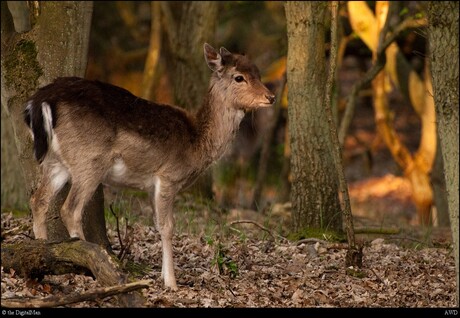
[13, 187]
[56, 45]
[443, 39]
[439, 189]
[189, 73]
[265, 152]
[314, 193]
[153, 55]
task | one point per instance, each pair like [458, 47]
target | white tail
[89, 132]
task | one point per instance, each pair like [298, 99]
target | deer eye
[239, 79]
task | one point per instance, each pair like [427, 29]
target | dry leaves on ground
[240, 271]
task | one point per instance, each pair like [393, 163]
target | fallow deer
[89, 132]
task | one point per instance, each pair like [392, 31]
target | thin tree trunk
[443, 40]
[153, 54]
[314, 194]
[13, 186]
[196, 25]
[439, 189]
[265, 152]
[354, 255]
[189, 73]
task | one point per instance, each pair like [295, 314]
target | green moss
[355, 273]
[137, 270]
[20, 213]
[134, 193]
[17, 213]
[21, 67]
[322, 234]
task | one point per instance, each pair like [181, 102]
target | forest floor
[241, 265]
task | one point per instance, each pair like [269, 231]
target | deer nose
[271, 98]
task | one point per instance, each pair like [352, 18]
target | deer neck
[218, 122]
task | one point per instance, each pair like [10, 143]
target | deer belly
[120, 175]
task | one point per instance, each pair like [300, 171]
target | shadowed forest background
[388, 139]
[119, 43]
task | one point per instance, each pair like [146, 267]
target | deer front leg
[163, 205]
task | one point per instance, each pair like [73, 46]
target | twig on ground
[366, 230]
[310, 240]
[118, 230]
[407, 238]
[129, 239]
[378, 277]
[259, 226]
[16, 230]
[231, 291]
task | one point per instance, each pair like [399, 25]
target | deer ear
[213, 58]
[224, 52]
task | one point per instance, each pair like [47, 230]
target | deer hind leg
[54, 177]
[163, 205]
[72, 209]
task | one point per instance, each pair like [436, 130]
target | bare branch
[18, 230]
[55, 301]
[118, 230]
[389, 231]
[372, 72]
[259, 226]
[310, 240]
[408, 239]
[378, 277]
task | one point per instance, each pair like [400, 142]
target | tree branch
[259, 226]
[310, 240]
[367, 230]
[55, 301]
[372, 72]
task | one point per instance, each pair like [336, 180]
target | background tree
[188, 25]
[314, 193]
[13, 187]
[417, 167]
[153, 54]
[443, 39]
[53, 43]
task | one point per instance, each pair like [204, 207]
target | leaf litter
[261, 273]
